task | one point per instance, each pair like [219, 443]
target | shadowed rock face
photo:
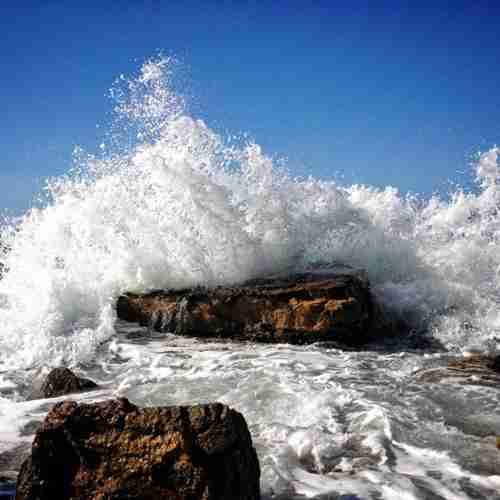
[62, 381]
[115, 450]
[299, 309]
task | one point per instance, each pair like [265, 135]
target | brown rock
[476, 362]
[302, 308]
[115, 450]
[478, 369]
[62, 381]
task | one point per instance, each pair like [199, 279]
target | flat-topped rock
[478, 369]
[302, 308]
[115, 450]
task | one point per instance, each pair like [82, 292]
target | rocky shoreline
[114, 449]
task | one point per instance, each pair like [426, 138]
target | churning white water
[183, 206]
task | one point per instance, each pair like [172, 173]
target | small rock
[62, 381]
[114, 449]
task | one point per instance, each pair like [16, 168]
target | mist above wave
[184, 206]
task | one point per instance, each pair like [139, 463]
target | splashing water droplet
[185, 207]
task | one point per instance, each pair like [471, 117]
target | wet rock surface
[115, 450]
[299, 309]
[477, 369]
[61, 381]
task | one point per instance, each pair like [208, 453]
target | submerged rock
[61, 381]
[478, 369]
[303, 308]
[477, 425]
[114, 449]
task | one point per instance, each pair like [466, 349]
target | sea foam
[181, 205]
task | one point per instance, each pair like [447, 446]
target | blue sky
[401, 94]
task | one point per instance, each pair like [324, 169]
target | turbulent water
[171, 203]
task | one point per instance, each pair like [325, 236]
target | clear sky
[402, 93]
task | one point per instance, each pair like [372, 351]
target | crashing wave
[185, 207]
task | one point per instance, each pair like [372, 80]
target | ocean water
[171, 203]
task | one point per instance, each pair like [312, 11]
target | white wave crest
[185, 207]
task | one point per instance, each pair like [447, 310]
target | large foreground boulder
[303, 308]
[115, 450]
